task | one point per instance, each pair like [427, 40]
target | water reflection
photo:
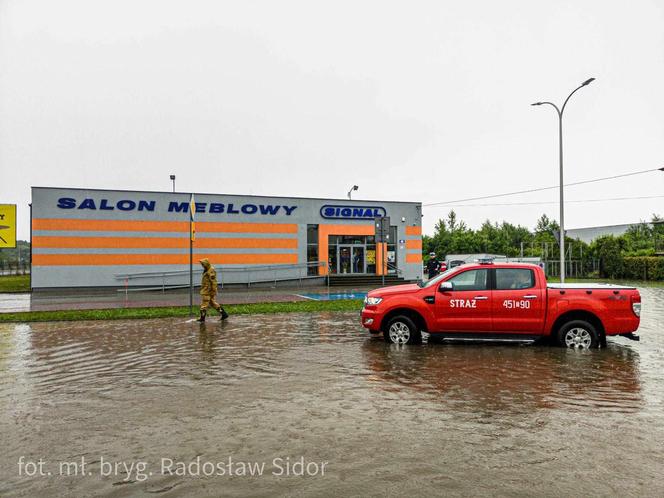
[509, 378]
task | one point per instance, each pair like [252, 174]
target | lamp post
[173, 180]
[354, 187]
[560, 112]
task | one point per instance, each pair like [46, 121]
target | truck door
[467, 307]
[518, 301]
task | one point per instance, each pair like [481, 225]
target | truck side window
[471, 280]
[514, 278]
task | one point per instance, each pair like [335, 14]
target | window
[438, 278]
[514, 278]
[312, 234]
[471, 280]
[312, 249]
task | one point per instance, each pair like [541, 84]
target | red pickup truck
[502, 302]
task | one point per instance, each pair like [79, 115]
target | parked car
[504, 302]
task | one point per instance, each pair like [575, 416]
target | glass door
[351, 259]
[358, 263]
[344, 260]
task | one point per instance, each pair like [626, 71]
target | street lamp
[355, 187]
[560, 112]
[173, 180]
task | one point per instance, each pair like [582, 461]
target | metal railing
[253, 274]
[392, 266]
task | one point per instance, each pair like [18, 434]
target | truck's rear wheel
[402, 330]
[578, 334]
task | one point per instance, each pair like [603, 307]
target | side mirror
[446, 286]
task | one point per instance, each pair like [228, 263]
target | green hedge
[643, 268]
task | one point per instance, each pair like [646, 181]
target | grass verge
[14, 283]
[182, 311]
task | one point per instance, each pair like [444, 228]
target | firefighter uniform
[209, 291]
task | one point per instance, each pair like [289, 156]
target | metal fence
[14, 268]
[248, 275]
[574, 268]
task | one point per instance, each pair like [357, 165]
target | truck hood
[395, 289]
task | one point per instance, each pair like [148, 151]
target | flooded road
[364, 418]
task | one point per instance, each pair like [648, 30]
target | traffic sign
[7, 225]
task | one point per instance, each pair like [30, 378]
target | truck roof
[504, 264]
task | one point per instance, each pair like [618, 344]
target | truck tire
[402, 330]
[578, 334]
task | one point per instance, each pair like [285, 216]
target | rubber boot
[224, 315]
[202, 317]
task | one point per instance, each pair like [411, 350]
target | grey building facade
[111, 238]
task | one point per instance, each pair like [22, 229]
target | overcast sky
[420, 100]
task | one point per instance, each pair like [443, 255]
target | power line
[554, 202]
[540, 189]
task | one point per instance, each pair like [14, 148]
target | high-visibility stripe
[159, 226]
[158, 259]
[40, 241]
[414, 244]
[414, 257]
[410, 230]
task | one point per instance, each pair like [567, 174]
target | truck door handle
[480, 298]
[530, 296]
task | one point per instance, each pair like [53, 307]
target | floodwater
[139, 401]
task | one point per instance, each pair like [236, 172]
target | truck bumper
[370, 319]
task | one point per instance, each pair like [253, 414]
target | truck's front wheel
[402, 330]
[578, 334]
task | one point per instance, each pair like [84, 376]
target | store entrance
[351, 259]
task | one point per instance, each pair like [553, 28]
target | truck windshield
[438, 278]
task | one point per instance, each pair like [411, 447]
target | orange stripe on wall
[410, 230]
[381, 253]
[158, 259]
[159, 226]
[159, 242]
[415, 257]
[414, 244]
[220, 226]
[109, 225]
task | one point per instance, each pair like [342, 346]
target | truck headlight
[372, 301]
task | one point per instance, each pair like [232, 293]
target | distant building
[589, 234]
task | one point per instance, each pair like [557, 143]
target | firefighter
[433, 266]
[209, 291]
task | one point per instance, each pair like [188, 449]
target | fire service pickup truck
[502, 302]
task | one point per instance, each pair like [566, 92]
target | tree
[544, 224]
[608, 250]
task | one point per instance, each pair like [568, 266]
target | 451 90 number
[512, 304]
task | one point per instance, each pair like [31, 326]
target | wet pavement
[433, 419]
